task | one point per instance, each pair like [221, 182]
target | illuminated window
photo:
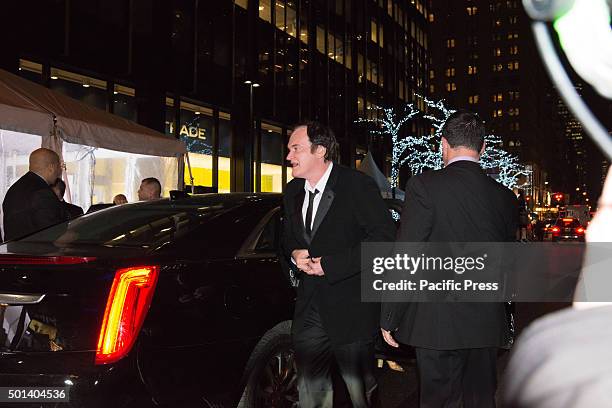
[497, 113]
[472, 10]
[431, 74]
[450, 72]
[450, 43]
[514, 50]
[431, 18]
[473, 99]
[498, 97]
[497, 67]
[497, 52]
[242, 3]
[265, 10]
[472, 70]
[451, 87]
[374, 31]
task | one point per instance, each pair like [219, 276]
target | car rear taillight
[580, 230]
[555, 230]
[128, 302]
[44, 260]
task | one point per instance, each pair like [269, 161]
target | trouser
[457, 378]
[315, 354]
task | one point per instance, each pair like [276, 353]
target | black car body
[161, 301]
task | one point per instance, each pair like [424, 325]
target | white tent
[369, 167]
[104, 153]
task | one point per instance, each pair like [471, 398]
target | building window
[374, 31]
[472, 70]
[473, 99]
[450, 43]
[514, 95]
[450, 72]
[472, 10]
[499, 97]
[225, 152]
[497, 52]
[242, 3]
[124, 102]
[92, 91]
[265, 10]
[514, 50]
[195, 129]
[513, 65]
[497, 113]
[321, 39]
[451, 87]
[497, 67]
[271, 158]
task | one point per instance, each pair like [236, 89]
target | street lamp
[251, 85]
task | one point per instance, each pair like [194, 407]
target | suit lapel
[326, 200]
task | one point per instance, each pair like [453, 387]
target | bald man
[30, 204]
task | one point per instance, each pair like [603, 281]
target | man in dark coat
[30, 204]
[455, 343]
[329, 210]
[59, 188]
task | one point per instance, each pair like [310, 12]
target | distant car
[567, 229]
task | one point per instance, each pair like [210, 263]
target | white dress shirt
[317, 199]
[459, 158]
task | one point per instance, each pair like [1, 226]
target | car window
[268, 240]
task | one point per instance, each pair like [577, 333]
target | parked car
[176, 301]
[567, 229]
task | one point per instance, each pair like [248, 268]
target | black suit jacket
[351, 211]
[72, 210]
[459, 203]
[30, 205]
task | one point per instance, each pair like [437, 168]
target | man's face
[303, 160]
[144, 192]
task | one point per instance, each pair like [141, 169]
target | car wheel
[271, 380]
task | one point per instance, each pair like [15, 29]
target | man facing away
[329, 210]
[59, 188]
[455, 343]
[30, 204]
[150, 189]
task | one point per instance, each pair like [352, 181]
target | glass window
[242, 3]
[225, 152]
[321, 39]
[265, 10]
[280, 14]
[30, 70]
[85, 89]
[291, 19]
[195, 129]
[304, 23]
[124, 102]
[271, 158]
[267, 241]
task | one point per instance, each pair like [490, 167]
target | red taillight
[555, 230]
[126, 308]
[580, 230]
[568, 219]
[44, 260]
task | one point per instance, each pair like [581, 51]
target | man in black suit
[30, 204]
[329, 210]
[455, 343]
[59, 188]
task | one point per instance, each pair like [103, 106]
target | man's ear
[321, 151]
[445, 145]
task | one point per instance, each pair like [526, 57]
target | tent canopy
[369, 167]
[28, 107]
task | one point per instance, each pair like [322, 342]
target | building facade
[230, 77]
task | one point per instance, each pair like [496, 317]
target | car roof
[227, 199]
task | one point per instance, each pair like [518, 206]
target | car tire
[270, 374]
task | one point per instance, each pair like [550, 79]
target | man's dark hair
[60, 185]
[321, 135]
[155, 182]
[464, 128]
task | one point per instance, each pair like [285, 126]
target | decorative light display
[424, 152]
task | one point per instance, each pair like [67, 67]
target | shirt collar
[459, 158]
[322, 181]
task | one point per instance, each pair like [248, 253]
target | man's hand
[315, 267]
[301, 257]
[389, 338]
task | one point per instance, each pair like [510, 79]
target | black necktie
[308, 221]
